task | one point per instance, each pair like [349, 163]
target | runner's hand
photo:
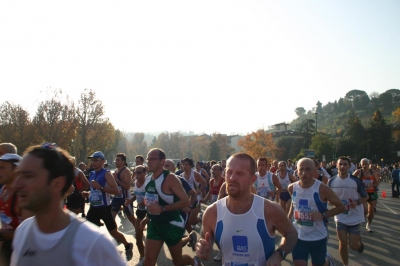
[85, 194]
[317, 216]
[203, 247]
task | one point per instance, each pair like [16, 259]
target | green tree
[213, 152]
[341, 105]
[322, 144]
[357, 103]
[380, 137]
[307, 129]
[355, 132]
[300, 111]
[354, 93]
[290, 146]
[364, 100]
[319, 107]
[385, 98]
[15, 126]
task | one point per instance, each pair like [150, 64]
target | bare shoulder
[271, 208]
[210, 217]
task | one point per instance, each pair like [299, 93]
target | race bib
[96, 198]
[5, 219]
[140, 201]
[368, 183]
[150, 199]
[240, 264]
[303, 217]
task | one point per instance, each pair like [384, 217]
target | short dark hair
[245, 156]
[263, 159]
[122, 156]
[316, 162]
[188, 161]
[140, 157]
[57, 161]
[344, 158]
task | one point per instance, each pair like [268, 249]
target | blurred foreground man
[251, 242]
[54, 236]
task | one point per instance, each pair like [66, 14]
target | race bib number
[303, 217]
[150, 199]
[96, 198]
[367, 183]
[140, 201]
[239, 264]
[119, 196]
[263, 192]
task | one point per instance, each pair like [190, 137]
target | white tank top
[306, 200]
[285, 182]
[265, 186]
[192, 183]
[243, 243]
[139, 193]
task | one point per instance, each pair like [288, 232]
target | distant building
[282, 130]
[233, 142]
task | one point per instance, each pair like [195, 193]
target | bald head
[7, 148]
[169, 165]
[306, 161]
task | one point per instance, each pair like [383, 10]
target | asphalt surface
[381, 246]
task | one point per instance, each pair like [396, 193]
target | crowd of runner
[249, 201]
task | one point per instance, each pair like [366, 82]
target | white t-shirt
[91, 246]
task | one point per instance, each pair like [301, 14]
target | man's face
[186, 166]
[343, 166]
[238, 177]
[305, 170]
[216, 171]
[153, 161]
[275, 163]
[169, 166]
[289, 163]
[140, 173]
[223, 164]
[82, 167]
[6, 172]
[138, 161]
[261, 166]
[323, 164]
[365, 165]
[282, 167]
[32, 184]
[119, 162]
[97, 163]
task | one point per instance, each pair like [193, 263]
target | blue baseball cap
[97, 154]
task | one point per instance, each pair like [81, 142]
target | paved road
[381, 246]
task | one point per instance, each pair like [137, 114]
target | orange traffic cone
[384, 194]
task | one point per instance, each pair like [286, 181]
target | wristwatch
[283, 253]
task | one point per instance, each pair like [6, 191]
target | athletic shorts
[285, 196]
[104, 213]
[372, 196]
[117, 203]
[351, 229]
[140, 214]
[75, 201]
[316, 249]
[169, 233]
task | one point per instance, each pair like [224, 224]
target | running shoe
[361, 248]
[129, 252]
[218, 257]
[141, 262]
[330, 259]
[193, 240]
[369, 228]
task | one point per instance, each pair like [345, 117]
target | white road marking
[388, 208]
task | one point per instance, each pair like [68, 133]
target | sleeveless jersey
[123, 192]
[139, 193]
[243, 238]
[9, 219]
[285, 182]
[97, 197]
[368, 181]
[60, 254]
[215, 189]
[264, 186]
[155, 195]
[192, 183]
[306, 200]
[77, 183]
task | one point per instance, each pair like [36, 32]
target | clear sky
[204, 66]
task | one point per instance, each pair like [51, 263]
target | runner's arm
[203, 183]
[112, 186]
[176, 188]
[126, 180]
[204, 245]
[328, 195]
[222, 191]
[85, 182]
[377, 179]
[277, 184]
